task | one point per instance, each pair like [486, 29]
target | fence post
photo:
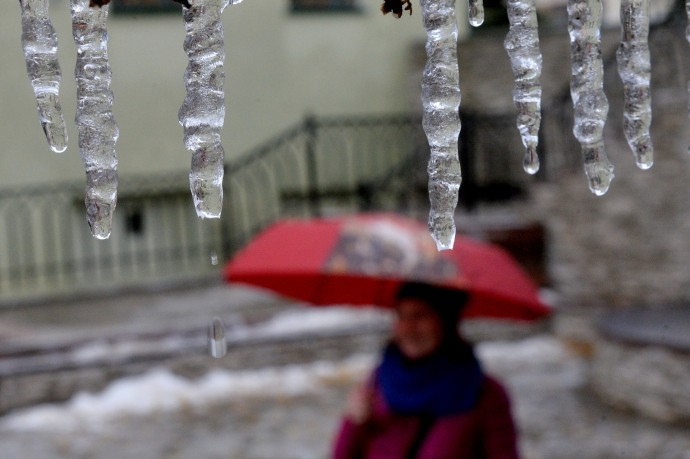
[542, 174]
[228, 236]
[467, 151]
[310, 128]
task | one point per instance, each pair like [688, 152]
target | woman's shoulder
[494, 395]
[494, 385]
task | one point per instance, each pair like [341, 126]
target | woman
[428, 398]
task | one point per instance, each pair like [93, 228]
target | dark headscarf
[446, 302]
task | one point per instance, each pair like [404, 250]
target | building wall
[279, 66]
[632, 245]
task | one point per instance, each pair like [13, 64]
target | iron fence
[321, 166]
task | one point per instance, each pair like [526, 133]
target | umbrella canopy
[363, 260]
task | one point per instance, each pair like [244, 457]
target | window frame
[324, 6]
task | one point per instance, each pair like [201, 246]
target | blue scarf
[445, 383]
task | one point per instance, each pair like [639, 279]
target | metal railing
[320, 166]
[325, 165]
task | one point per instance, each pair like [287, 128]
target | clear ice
[687, 37]
[522, 45]
[98, 131]
[217, 343]
[587, 90]
[40, 45]
[203, 112]
[476, 12]
[635, 69]
[440, 118]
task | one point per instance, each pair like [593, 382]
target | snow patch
[159, 390]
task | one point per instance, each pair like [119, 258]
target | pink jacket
[486, 432]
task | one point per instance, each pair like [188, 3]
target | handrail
[47, 250]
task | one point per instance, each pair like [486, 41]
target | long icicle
[98, 131]
[522, 45]
[40, 44]
[203, 112]
[587, 90]
[441, 119]
[687, 38]
[634, 68]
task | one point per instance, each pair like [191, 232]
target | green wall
[279, 66]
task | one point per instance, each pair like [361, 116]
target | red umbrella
[363, 259]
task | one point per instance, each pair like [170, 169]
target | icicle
[522, 45]
[441, 120]
[217, 343]
[98, 131]
[203, 111]
[476, 12]
[587, 90]
[40, 44]
[635, 69]
[687, 27]
[687, 37]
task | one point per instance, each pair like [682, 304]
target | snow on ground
[289, 322]
[159, 390]
[292, 412]
[310, 319]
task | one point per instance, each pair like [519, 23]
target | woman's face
[417, 329]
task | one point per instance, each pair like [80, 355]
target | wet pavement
[667, 326]
[174, 307]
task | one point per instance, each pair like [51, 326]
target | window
[134, 221]
[145, 6]
[324, 6]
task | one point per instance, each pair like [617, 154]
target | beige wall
[279, 66]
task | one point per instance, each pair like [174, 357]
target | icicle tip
[530, 163]
[99, 216]
[208, 197]
[56, 136]
[644, 155]
[476, 13]
[600, 179]
[442, 229]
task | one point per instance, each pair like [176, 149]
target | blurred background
[103, 343]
